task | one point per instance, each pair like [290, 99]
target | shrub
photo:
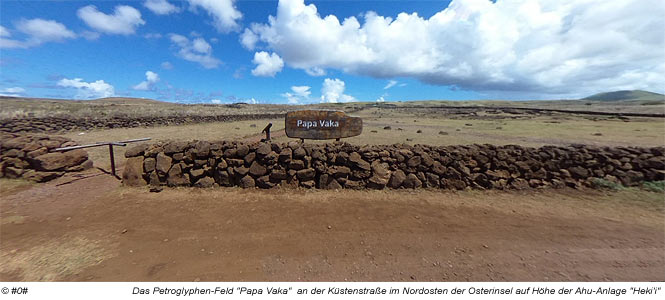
[654, 186]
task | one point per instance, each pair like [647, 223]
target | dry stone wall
[57, 124]
[342, 165]
[30, 157]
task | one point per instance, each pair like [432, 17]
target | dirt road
[95, 230]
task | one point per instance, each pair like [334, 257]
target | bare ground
[92, 229]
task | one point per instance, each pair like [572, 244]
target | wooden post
[267, 131]
[112, 160]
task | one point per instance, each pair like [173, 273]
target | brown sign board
[321, 125]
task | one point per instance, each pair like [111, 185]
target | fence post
[112, 160]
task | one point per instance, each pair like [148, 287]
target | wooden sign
[321, 125]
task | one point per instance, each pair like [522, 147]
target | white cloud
[267, 64]
[315, 71]
[302, 91]
[124, 19]
[380, 100]
[391, 83]
[160, 7]
[151, 36]
[299, 95]
[4, 32]
[88, 90]
[248, 39]
[224, 13]
[12, 92]
[149, 83]
[198, 51]
[90, 35]
[216, 101]
[333, 91]
[555, 47]
[38, 31]
[167, 65]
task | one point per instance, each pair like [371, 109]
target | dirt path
[93, 229]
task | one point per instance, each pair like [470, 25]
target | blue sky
[295, 51]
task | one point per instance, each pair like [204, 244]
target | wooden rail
[110, 144]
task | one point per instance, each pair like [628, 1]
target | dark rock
[59, 160]
[578, 172]
[249, 158]
[285, 154]
[296, 164]
[257, 169]
[149, 164]
[242, 150]
[264, 182]
[397, 179]
[247, 182]
[306, 174]
[136, 150]
[380, 176]
[175, 146]
[163, 164]
[205, 182]
[202, 149]
[38, 176]
[412, 182]
[176, 177]
[277, 175]
[299, 153]
[263, 149]
[340, 171]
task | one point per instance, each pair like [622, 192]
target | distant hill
[626, 95]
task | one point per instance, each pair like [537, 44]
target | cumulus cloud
[150, 79]
[12, 91]
[167, 65]
[267, 64]
[38, 31]
[124, 19]
[333, 91]
[224, 13]
[197, 50]
[538, 46]
[216, 101]
[298, 94]
[88, 90]
[160, 7]
[380, 100]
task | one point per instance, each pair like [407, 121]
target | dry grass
[53, 260]
[527, 131]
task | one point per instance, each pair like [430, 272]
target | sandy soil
[92, 229]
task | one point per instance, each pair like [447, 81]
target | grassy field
[132, 107]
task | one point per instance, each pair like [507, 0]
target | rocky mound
[342, 165]
[28, 157]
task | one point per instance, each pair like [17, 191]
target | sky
[300, 52]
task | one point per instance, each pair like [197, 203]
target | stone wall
[342, 165]
[57, 124]
[28, 157]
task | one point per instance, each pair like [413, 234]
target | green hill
[626, 95]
